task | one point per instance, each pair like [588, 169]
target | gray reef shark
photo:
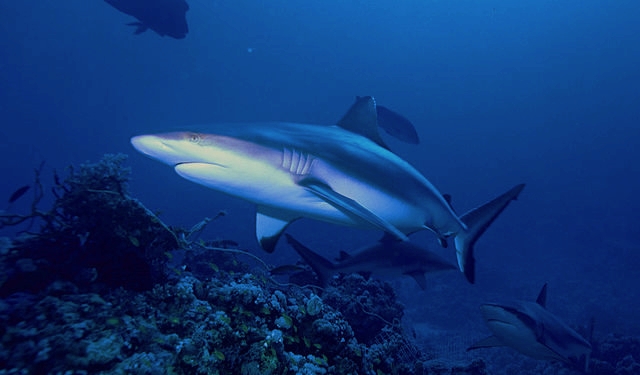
[388, 257]
[343, 174]
[532, 330]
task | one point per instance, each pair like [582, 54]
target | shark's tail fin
[323, 267]
[477, 221]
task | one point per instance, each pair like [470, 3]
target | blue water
[501, 92]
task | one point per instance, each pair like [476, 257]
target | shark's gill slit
[301, 163]
[286, 158]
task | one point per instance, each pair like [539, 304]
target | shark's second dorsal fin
[362, 119]
[542, 297]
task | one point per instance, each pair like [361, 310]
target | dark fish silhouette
[397, 125]
[165, 17]
[18, 193]
[386, 257]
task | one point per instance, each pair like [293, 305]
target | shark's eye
[194, 138]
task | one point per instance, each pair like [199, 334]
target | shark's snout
[157, 148]
[145, 143]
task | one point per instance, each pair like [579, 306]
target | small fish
[18, 193]
[397, 125]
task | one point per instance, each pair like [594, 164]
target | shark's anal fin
[349, 206]
[488, 342]
[418, 276]
[269, 226]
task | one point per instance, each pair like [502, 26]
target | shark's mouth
[196, 164]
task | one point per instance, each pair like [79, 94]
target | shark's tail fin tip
[477, 222]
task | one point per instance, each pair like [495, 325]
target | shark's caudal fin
[322, 267]
[477, 221]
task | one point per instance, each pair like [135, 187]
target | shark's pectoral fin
[418, 276]
[140, 27]
[488, 342]
[349, 206]
[270, 224]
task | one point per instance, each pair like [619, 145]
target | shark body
[342, 174]
[532, 330]
[388, 257]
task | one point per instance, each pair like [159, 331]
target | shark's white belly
[269, 185]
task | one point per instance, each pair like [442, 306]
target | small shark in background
[532, 330]
[388, 257]
[165, 17]
[343, 174]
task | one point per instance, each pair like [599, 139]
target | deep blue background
[502, 92]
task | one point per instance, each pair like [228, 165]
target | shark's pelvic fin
[269, 226]
[477, 221]
[349, 206]
[362, 119]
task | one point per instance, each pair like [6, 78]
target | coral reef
[367, 304]
[104, 287]
[95, 233]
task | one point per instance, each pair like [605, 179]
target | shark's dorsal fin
[542, 297]
[362, 119]
[269, 226]
[489, 342]
[349, 206]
